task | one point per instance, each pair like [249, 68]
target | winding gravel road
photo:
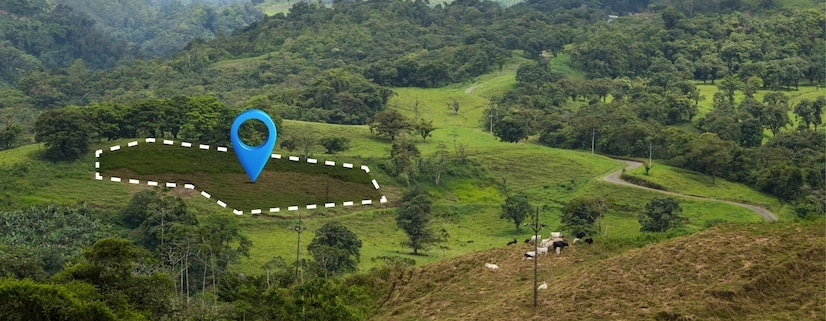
[614, 177]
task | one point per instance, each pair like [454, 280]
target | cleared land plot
[282, 183]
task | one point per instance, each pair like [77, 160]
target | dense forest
[42, 35]
[74, 75]
[413, 44]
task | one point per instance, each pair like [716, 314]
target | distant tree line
[782, 49]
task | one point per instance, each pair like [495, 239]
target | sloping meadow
[746, 271]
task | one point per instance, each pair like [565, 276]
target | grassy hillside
[466, 207]
[693, 183]
[733, 271]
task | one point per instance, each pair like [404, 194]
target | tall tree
[64, 132]
[109, 264]
[390, 123]
[304, 138]
[784, 180]
[710, 154]
[414, 219]
[335, 144]
[776, 113]
[804, 112]
[335, 248]
[661, 214]
[515, 208]
[424, 128]
[581, 213]
[729, 85]
[153, 216]
[510, 129]
[9, 132]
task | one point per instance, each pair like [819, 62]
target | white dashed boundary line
[220, 203]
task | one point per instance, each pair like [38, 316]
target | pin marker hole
[253, 132]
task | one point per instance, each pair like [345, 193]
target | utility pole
[535, 226]
[649, 154]
[298, 229]
[593, 136]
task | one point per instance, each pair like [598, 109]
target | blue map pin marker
[252, 159]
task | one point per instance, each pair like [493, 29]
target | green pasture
[19, 154]
[473, 97]
[627, 203]
[693, 183]
[26, 180]
[281, 184]
[469, 228]
[562, 64]
[546, 175]
[273, 7]
[467, 208]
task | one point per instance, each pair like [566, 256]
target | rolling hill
[732, 271]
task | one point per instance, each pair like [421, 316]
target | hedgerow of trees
[66, 132]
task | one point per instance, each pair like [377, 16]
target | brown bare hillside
[768, 271]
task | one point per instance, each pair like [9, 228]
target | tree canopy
[414, 216]
[661, 214]
[335, 248]
[516, 208]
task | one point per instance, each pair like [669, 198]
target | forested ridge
[413, 44]
[51, 35]
[634, 90]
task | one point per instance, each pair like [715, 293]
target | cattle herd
[556, 242]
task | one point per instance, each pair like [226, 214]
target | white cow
[529, 255]
[545, 243]
[543, 286]
[491, 266]
[542, 250]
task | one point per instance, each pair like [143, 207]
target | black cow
[558, 245]
[589, 241]
[512, 242]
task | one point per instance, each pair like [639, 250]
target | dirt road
[614, 177]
